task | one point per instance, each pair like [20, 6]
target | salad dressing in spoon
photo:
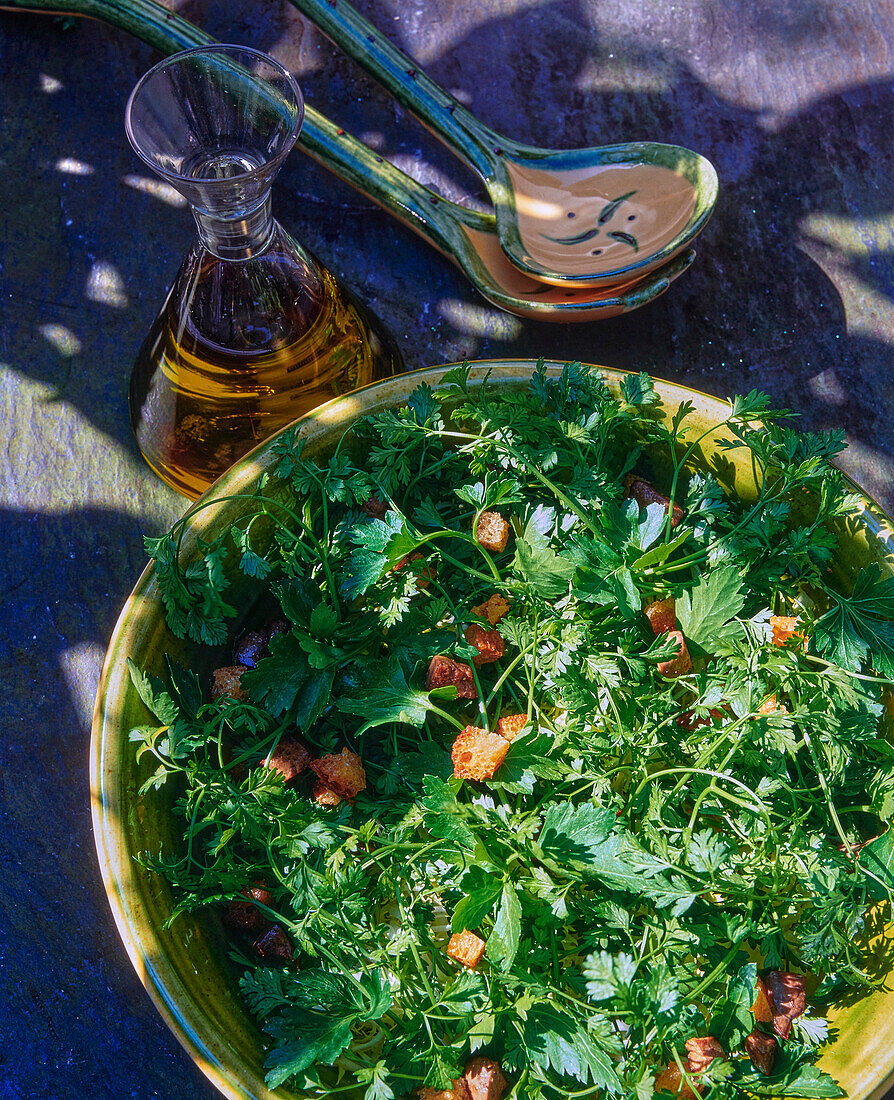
[602, 220]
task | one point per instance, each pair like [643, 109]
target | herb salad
[558, 759]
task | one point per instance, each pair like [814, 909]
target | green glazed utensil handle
[435, 219]
[144, 19]
[445, 116]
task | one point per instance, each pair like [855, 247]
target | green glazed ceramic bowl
[184, 968]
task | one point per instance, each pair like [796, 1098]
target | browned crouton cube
[228, 682]
[670, 1079]
[424, 574]
[445, 672]
[251, 648]
[341, 772]
[682, 663]
[493, 609]
[784, 628]
[257, 893]
[374, 507]
[787, 997]
[324, 797]
[243, 914]
[274, 945]
[477, 753]
[701, 1053]
[466, 948]
[662, 615]
[488, 643]
[492, 531]
[484, 1079]
[763, 1013]
[254, 645]
[645, 494]
[762, 1051]
[290, 758]
[511, 726]
[771, 706]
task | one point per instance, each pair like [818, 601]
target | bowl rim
[116, 864]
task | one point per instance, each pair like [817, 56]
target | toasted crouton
[511, 725]
[424, 574]
[323, 796]
[682, 663]
[242, 913]
[492, 531]
[784, 628]
[489, 644]
[484, 1079]
[274, 945]
[701, 1053]
[662, 615]
[254, 646]
[635, 488]
[477, 753]
[445, 672]
[228, 682]
[771, 706]
[342, 773]
[761, 1008]
[374, 507]
[493, 609]
[762, 1050]
[787, 998]
[466, 948]
[670, 1079]
[290, 758]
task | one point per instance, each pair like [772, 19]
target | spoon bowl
[580, 218]
[596, 217]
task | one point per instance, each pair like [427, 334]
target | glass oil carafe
[254, 331]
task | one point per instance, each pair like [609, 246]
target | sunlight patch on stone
[855, 237]
[612, 70]
[81, 665]
[853, 253]
[479, 320]
[54, 458]
[105, 285]
[71, 166]
[826, 387]
[872, 470]
[62, 339]
[49, 84]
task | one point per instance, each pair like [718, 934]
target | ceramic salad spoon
[575, 218]
[470, 239]
[467, 237]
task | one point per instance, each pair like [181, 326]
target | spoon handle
[435, 219]
[477, 144]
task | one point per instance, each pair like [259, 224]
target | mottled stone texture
[791, 292]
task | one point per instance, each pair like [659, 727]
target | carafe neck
[238, 237]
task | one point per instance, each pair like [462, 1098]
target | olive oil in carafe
[238, 351]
